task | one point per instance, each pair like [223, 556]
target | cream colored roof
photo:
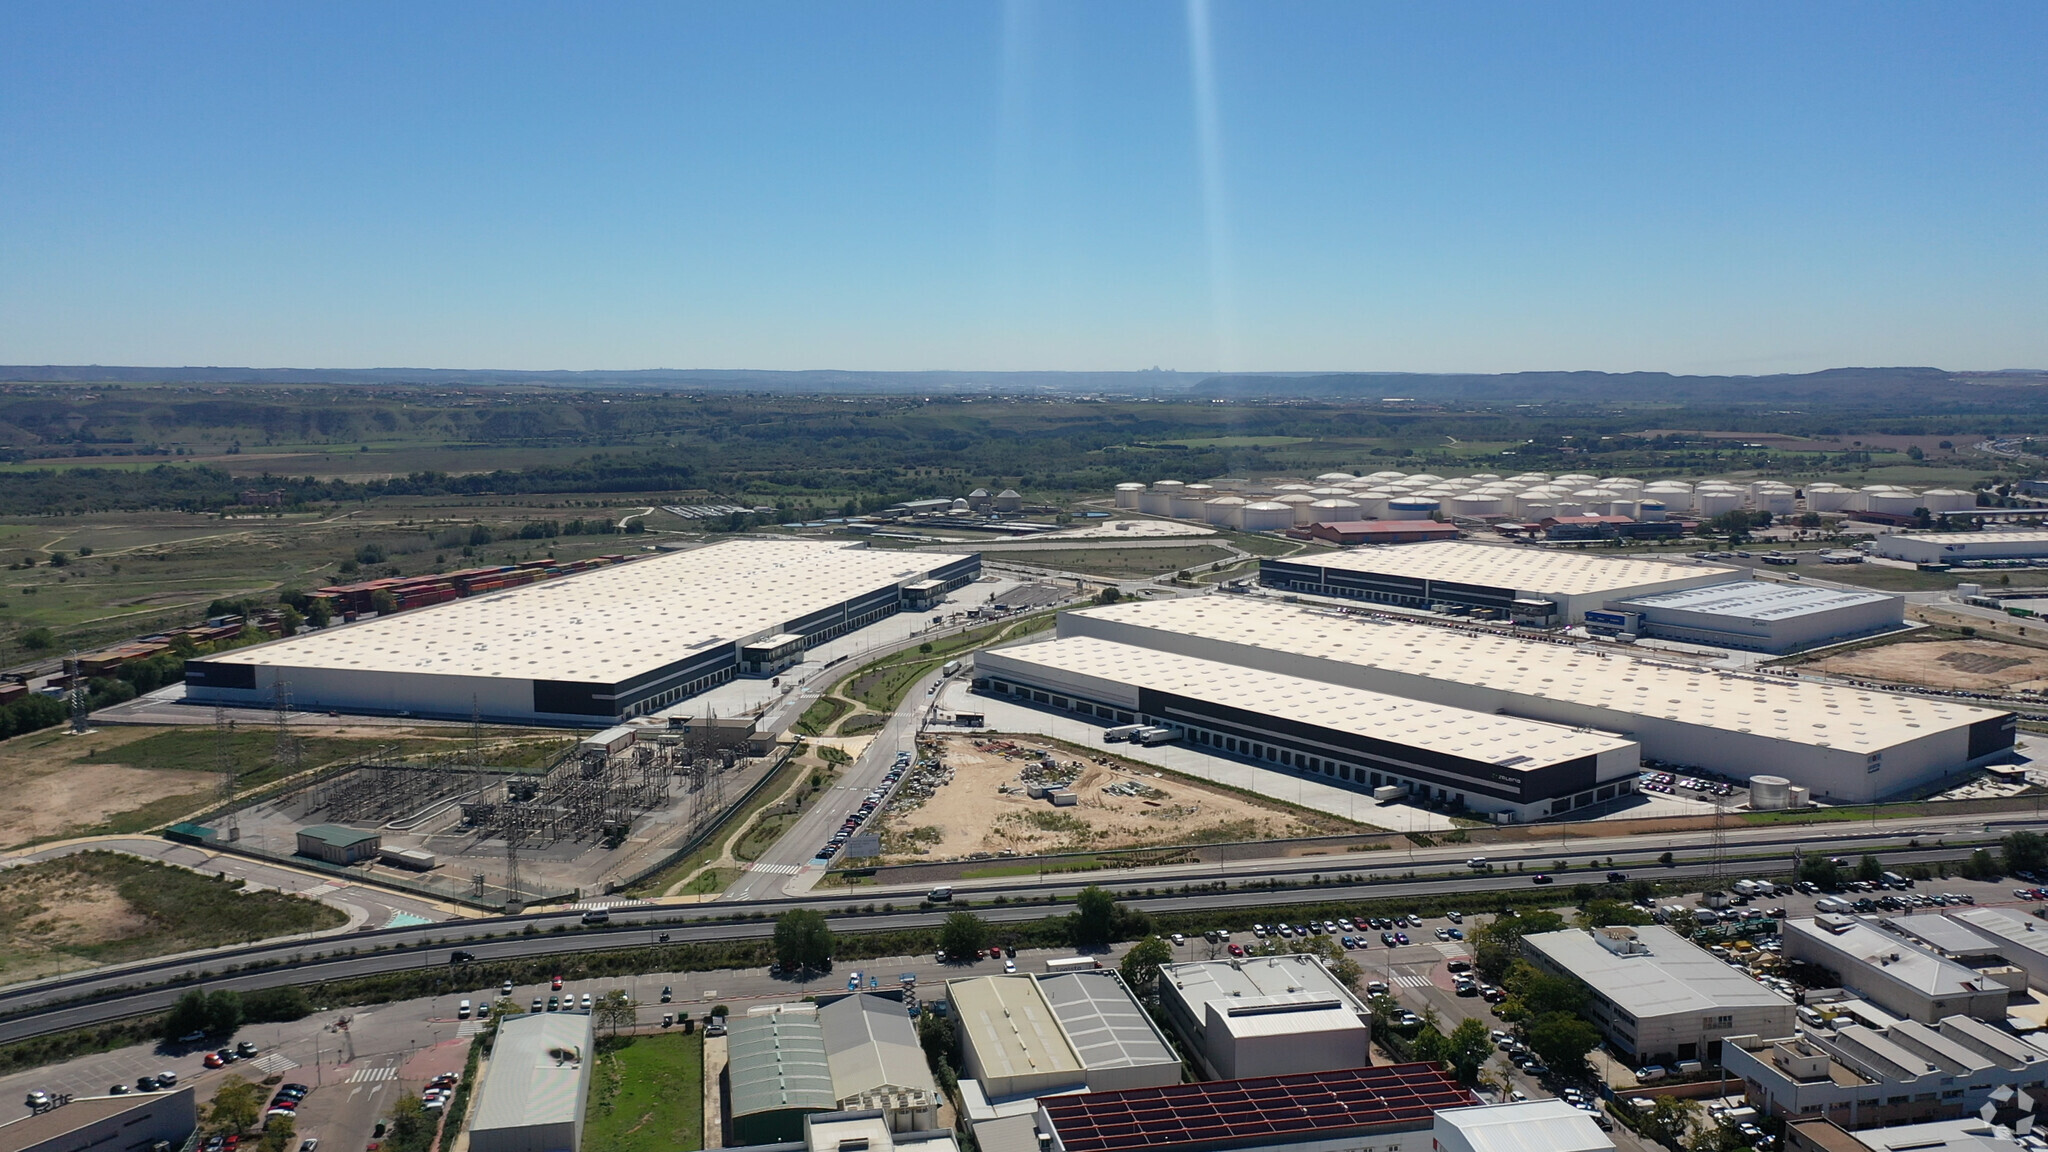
[1515, 566]
[2015, 537]
[1011, 1026]
[1504, 741]
[1799, 711]
[608, 624]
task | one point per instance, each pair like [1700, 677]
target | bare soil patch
[52, 788]
[1970, 664]
[985, 808]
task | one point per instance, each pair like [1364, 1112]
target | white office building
[1265, 1016]
[1894, 973]
[1657, 996]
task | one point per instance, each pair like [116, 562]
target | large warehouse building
[1849, 745]
[1537, 585]
[1269, 1016]
[1949, 547]
[593, 649]
[1755, 615]
[1344, 737]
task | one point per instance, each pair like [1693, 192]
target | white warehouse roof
[1522, 1126]
[1503, 741]
[1529, 569]
[1755, 600]
[539, 1072]
[1674, 977]
[610, 623]
[1796, 711]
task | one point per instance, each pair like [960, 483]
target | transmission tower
[79, 698]
[224, 763]
[1717, 865]
[286, 751]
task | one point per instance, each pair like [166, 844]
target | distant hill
[1143, 383]
[1886, 386]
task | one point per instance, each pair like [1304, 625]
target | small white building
[1657, 996]
[1522, 1126]
[533, 1096]
[1265, 1016]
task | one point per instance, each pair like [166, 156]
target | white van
[462, 1010]
[1478, 864]
[1830, 904]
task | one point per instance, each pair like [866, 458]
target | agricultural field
[647, 1094]
[95, 908]
[983, 807]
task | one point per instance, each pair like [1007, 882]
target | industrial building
[1350, 532]
[1023, 1035]
[1971, 1134]
[1657, 996]
[1844, 744]
[338, 844]
[1896, 974]
[1951, 547]
[115, 1123]
[1343, 737]
[877, 1064]
[593, 649]
[777, 1073]
[539, 1079]
[1753, 615]
[1267, 1016]
[1906, 1072]
[1534, 585]
[1520, 1126]
[1388, 1109]
[867, 1131]
[2020, 942]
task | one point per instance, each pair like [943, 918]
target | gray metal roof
[870, 1044]
[1756, 600]
[1674, 976]
[777, 1061]
[540, 1071]
[338, 835]
[1105, 1025]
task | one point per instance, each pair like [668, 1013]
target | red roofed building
[1381, 531]
[1391, 1109]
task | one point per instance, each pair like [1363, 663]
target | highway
[108, 994]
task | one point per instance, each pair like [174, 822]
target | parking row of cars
[1669, 783]
[861, 815]
[286, 1102]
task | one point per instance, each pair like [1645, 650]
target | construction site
[613, 805]
[978, 797]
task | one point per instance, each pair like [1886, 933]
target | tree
[411, 1130]
[319, 611]
[1092, 924]
[38, 640]
[1822, 872]
[1669, 1120]
[1496, 946]
[1601, 913]
[1980, 866]
[615, 1010]
[802, 941]
[1869, 870]
[1534, 994]
[963, 934]
[290, 619]
[1562, 1041]
[236, 1106]
[223, 1011]
[1466, 1049]
[383, 603]
[279, 1135]
[935, 1036]
[370, 554]
[1109, 595]
[1141, 964]
[2025, 852]
[187, 1015]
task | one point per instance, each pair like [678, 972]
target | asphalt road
[55, 1005]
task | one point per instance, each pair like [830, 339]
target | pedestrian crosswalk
[776, 869]
[366, 1075]
[1411, 981]
[276, 1063]
[1451, 951]
[610, 905]
[468, 1028]
[319, 890]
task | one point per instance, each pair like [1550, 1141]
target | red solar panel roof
[1222, 1113]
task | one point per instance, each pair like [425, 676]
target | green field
[1120, 563]
[821, 715]
[104, 908]
[647, 1094]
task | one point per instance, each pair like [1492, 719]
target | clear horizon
[1026, 186]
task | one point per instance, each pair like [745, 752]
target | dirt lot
[971, 813]
[53, 788]
[1972, 664]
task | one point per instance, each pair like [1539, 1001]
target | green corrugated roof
[777, 1061]
[340, 836]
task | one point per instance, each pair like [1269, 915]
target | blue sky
[1720, 187]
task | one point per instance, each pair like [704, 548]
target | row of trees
[803, 940]
[220, 1012]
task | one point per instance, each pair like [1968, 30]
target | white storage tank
[1331, 511]
[1484, 477]
[1459, 484]
[1413, 508]
[1769, 793]
[1651, 511]
[1825, 497]
[1621, 484]
[1292, 487]
[1159, 498]
[1128, 495]
[1372, 502]
[1531, 478]
[1224, 510]
[1533, 510]
[1948, 500]
[1387, 477]
[1888, 500]
[1334, 477]
[1298, 505]
[1714, 501]
[1776, 503]
[1427, 478]
[1330, 492]
[1576, 480]
[1265, 516]
[1474, 506]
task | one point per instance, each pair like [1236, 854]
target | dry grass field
[1968, 664]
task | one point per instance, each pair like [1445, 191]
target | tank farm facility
[638, 638]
